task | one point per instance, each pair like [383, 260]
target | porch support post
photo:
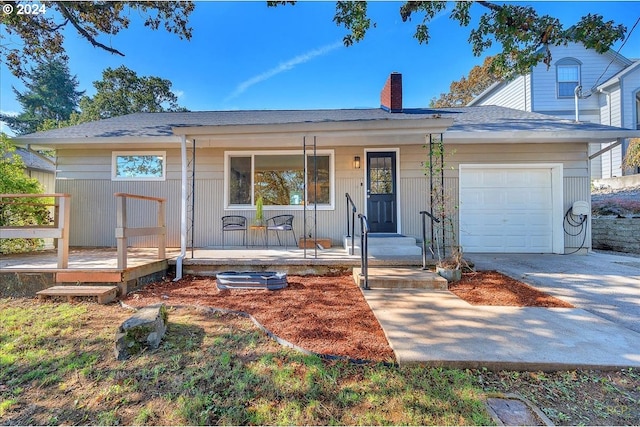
[64, 222]
[183, 208]
[121, 231]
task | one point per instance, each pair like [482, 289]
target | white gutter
[183, 208]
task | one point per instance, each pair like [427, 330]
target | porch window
[138, 165]
[278, 177]
[568, 77]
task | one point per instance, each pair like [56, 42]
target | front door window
[381, 192]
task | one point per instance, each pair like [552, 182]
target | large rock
[144, 329]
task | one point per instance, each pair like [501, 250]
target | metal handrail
[426, 214]
[364, 251]
[351, 224]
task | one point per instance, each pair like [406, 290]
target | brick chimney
[391, 95]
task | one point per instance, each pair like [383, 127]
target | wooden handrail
[138, 196]
[123, 231]
[59, 230]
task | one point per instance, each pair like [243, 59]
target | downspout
[576, 92]
[183, 208]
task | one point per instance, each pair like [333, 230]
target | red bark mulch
[494, 288]
[329, 315]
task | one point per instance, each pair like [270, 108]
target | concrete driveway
[603, 331]
[603, 284]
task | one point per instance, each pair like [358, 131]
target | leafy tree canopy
[463, 91]
[50, 96]
[13, 180]
[524, 35]
[38, 37]
[121, 91]
[632, 158]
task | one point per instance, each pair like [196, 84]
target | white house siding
[631, 86]
[610, 114]
[544, 80]
[515, 94]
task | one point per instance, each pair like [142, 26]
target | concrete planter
[451, 274]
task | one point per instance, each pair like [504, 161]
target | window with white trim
[567, 76]
[138, 165]
[279, 178]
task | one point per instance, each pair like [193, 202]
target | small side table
[258, 229]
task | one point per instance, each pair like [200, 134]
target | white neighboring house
[610, 96]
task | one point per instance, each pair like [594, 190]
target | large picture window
[138, 166]
[279, 178]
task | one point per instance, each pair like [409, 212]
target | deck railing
[59, 230]
[123, 231]
[364, 251]
[351, 220]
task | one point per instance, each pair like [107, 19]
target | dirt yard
[328, 315]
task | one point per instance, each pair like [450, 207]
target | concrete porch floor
[104, 258]
[335, 260]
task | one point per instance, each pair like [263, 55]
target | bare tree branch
[69, 16]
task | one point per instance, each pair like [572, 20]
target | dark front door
[381, 192]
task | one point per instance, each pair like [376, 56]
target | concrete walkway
[439, 329]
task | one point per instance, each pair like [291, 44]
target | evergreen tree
[51, 95]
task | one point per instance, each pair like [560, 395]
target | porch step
[386, 245]
[104, 294]
[400, 278]
[89, 276]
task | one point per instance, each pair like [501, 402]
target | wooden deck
[23, 275]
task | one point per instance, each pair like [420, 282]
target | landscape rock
[145, 329]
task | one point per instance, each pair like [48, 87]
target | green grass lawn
[57, 366]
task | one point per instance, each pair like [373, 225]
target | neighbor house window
[138, 166]
[568, 77]
[279, 178]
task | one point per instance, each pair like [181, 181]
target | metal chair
[234, 223]
[280, 223]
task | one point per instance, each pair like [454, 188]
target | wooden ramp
[104, 294]
[400, 278]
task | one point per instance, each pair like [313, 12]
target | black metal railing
[426, 214]
[364, 251]
[351, 220]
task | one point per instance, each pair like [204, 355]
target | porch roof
[465, 124]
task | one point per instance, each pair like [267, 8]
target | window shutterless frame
[240, 183]
[138, 165]
[567, 77]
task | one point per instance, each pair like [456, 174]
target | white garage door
[506, 210]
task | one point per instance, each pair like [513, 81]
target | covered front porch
[94, 260]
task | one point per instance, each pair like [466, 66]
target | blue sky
[244, 55]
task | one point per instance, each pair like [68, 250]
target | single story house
[513, 175]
